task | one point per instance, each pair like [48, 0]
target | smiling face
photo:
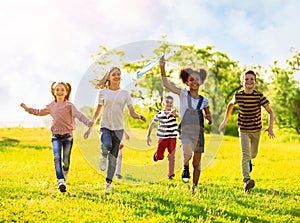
[194, 81]
[248, 81]
[168, 103]
[114, 77]
[60, 92]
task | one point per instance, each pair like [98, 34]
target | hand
[23, 106]
[208, 119]
[87, 133]
[142, 118]
[222, 125]
[148, 140]
[270, 132]
[162, 61]
[174, 113]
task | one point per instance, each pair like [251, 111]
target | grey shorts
[197, 142]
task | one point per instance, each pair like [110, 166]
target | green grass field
[28, 189]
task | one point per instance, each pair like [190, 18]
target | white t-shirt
[113, 103]
[184, 102]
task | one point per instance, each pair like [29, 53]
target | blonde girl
[112, 99]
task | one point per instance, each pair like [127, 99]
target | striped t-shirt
[167, 125]
[249, 117]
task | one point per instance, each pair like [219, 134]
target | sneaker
[248, 185]
[119, 176]
[107, 187]
[65, 172]
[62, 185]
[154, 157]
[185, 176]
[171, 177]
[103, 163]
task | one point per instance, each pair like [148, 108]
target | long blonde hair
[104, 81]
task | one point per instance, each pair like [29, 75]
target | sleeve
[205, 103]
[128, 99]
[233, 100]
[155, 118]
[263, 100]
[80, 116]
[39, 112]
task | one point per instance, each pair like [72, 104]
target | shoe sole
[249, 186]
[185, 180]
[62, 188]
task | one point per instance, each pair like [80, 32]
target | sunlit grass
[28, 190]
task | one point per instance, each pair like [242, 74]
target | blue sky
[51, 40]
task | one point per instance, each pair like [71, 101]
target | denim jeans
[61, 147]
[110, 142]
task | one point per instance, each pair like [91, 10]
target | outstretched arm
[271, 121]
[165, 81]
[227, 114]
[38, 112]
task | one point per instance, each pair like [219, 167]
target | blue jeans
[61, 145]
[110, 142]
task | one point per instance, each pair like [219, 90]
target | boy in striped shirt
[166, 132]
[249, 102]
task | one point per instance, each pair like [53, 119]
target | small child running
[166, 132]
[249, 102]
[63, 113]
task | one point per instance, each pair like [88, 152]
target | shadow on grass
[10, 142]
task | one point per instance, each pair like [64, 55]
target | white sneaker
[103, 163]
[107, 187]
[62, 185]
[65, 174]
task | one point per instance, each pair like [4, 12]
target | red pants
[170, 144]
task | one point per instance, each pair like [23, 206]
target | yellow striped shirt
[249, 117]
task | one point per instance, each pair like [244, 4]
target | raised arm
[165, 81]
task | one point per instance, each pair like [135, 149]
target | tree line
[278, 83]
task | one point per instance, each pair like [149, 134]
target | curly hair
[186, 72]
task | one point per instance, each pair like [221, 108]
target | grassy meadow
[28, 188]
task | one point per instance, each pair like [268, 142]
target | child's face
[168, 103]
[194, 81]
[60, 92]
[115, 77]
[248, 81]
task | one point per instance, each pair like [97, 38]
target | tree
[287, 94]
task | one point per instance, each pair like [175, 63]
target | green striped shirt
[249, 117]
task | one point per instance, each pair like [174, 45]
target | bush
[231, 129]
